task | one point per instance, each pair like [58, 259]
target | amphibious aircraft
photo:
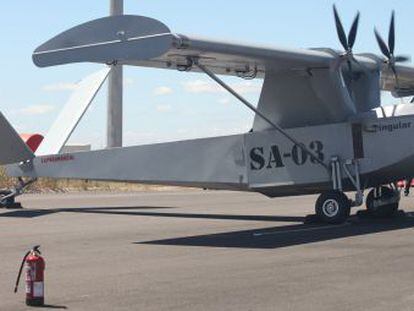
[319, 126]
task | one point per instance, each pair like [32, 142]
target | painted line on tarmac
[256, 234]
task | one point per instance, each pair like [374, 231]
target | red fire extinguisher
[34, 271]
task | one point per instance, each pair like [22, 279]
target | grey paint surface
[203, 250]
[228, 162]
[106, 40]
[295, 99]
[13, 148]
[215, 162]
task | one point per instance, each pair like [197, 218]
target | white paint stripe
[91, 45]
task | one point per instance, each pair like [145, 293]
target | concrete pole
[115, 87]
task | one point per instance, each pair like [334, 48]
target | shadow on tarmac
[261, 238]
[32, 213]
[290, 235]
[135, 211]
[52, 307]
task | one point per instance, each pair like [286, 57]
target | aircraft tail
[13, 149]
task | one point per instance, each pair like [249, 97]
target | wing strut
[251, 107]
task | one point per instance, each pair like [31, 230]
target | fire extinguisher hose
[34, 249]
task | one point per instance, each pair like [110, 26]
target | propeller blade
[353, 32]
[340, 29]
[382, 45]
[394, 70]
[402, 59]
[391, 35]
[351, 73]
[349, 66]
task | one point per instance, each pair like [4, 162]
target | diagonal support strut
[253, 108]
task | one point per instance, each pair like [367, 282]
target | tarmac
[205, 250]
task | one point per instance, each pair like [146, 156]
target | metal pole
[115, 87]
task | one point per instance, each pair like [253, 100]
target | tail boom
[217, 163]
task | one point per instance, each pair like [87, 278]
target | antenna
[115, 92]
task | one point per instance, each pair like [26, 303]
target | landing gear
[383, 202]
[333, 207]
[6, 198]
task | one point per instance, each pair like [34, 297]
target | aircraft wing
[142, 41]
[305, 89]
[244, 60]
[234, 58]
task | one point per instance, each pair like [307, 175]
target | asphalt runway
[205, 250]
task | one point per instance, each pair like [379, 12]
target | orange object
[32, 140]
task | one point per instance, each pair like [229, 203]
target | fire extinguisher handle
[20, 271]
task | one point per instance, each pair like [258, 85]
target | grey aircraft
[319, 125]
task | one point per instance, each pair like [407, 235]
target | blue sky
[165, 105]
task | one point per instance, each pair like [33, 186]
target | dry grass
[69, 185]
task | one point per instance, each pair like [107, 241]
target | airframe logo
[376, 128]
[59, 158]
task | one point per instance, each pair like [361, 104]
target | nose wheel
[333, 207]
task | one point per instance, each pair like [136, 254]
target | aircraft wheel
[333, 207]
[9, 201]
[383, 211]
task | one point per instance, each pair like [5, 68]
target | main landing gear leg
[334, 207]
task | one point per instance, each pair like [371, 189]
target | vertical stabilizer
[72, 113]
[13, 149]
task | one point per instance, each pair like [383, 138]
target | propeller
[347, 42]
[388, 50]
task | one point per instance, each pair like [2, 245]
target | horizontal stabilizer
[12, 148]
[105, 40]
[72, 113]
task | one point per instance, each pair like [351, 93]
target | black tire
[333, 207]
[9, 202]
[384, 211]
